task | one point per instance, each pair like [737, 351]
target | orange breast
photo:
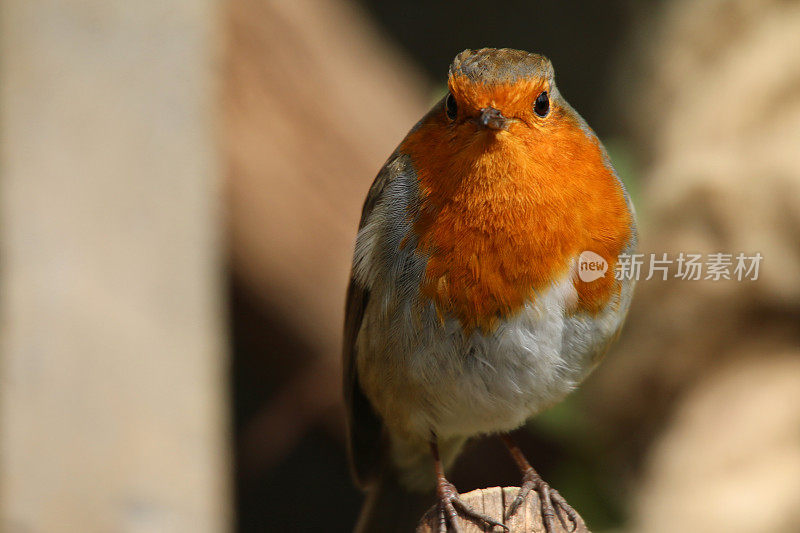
[502, 218]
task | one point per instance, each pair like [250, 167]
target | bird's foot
[550, 500]
[451, 506]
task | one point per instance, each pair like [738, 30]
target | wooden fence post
[112, 371]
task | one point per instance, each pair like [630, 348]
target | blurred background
[180, 187]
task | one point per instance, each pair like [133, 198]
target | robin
[467, 311]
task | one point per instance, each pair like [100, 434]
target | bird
[466, 311]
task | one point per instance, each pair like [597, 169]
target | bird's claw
[451, 505]
[550, 500]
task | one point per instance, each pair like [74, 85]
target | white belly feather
[423, 376]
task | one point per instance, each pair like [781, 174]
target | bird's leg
[450, 504]
[550, 499]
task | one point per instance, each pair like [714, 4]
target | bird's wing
[364, 427]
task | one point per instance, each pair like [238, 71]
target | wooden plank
[493, 504]
[112, 373]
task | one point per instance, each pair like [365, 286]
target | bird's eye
[542, 104]
[450, 106]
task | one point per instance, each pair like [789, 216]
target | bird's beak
[493, 119]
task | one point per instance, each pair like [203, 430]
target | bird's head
[503, 110]
[500, 90]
